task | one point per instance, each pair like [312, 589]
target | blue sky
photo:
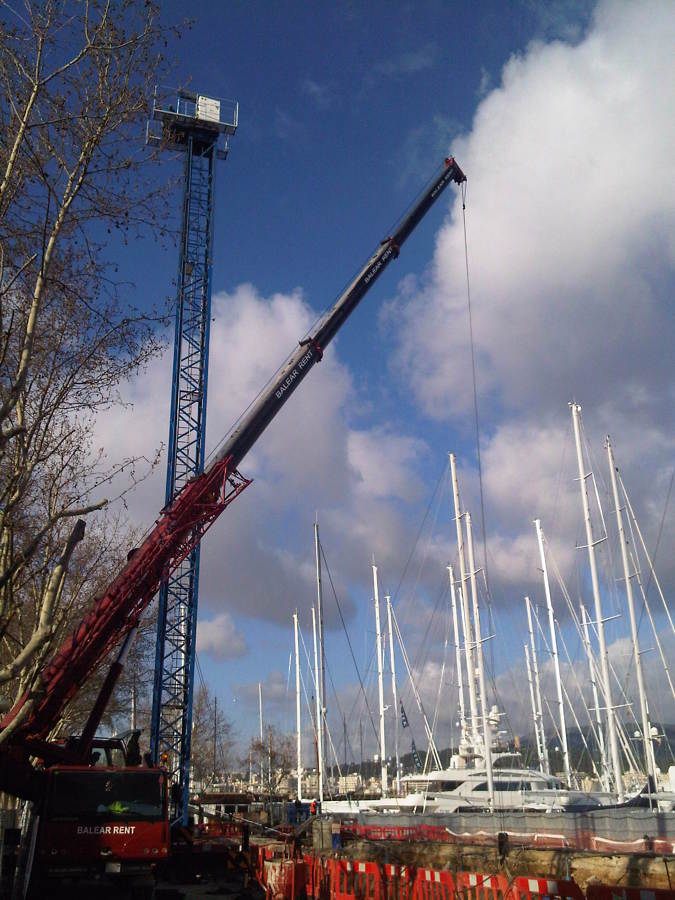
[563, 123]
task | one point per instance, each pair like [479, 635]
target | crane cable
[488, 595]
[475, 389]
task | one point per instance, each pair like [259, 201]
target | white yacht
[461, 790]
[458, 789]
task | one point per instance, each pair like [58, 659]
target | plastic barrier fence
[526, 888]
[338, 879]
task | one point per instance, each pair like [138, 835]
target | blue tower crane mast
[199, 127]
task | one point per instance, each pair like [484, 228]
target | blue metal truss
[171, 724]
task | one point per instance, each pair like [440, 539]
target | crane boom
[181, 525]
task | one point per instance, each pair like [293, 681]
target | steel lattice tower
[195, 126]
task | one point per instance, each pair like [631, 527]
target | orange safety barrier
[310, 863]
[397, 882]
[222, 829]
[284, 879]
[256, 867]
[527, 888]
[475, 886]
[432, 885]
[359, 880]
[262, 854]
[260, 866]
[320, 878]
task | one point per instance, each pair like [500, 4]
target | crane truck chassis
[96, 823]
[25, 729]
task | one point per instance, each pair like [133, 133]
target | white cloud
[384, 463]
[257, 560]
[274, 687]
[571, 212]
[408, 63]
[485, 82]
[220, 638]
[320, 94]
[286, 126]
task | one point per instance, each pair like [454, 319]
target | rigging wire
[349, 643]
[432, 506]
[658, 537]
[308, 700]
[636, 573]
[420, 660]
[592, 661]
[651, 559]
[199, 672]
[342, 717]
[432, 500]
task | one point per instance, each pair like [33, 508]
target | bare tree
[212, 739]
[277, 751]
[75, 186]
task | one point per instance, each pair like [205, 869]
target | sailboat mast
[322, 658]
[298, 723]
[317, 706]
[650, 762]
[468, 631]
[604, 657]
[394, 696]
[533, 704]
[596, 699]
[537, 688]
[554, 654]
[458, 659]
[487, 737]
[380, 684]
[262, 737]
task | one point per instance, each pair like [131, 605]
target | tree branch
[53, 593]
[23, 555]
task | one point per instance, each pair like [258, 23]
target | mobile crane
[25, 729]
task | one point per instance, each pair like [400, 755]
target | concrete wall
[617, 824]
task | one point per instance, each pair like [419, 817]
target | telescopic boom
[181, 526]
